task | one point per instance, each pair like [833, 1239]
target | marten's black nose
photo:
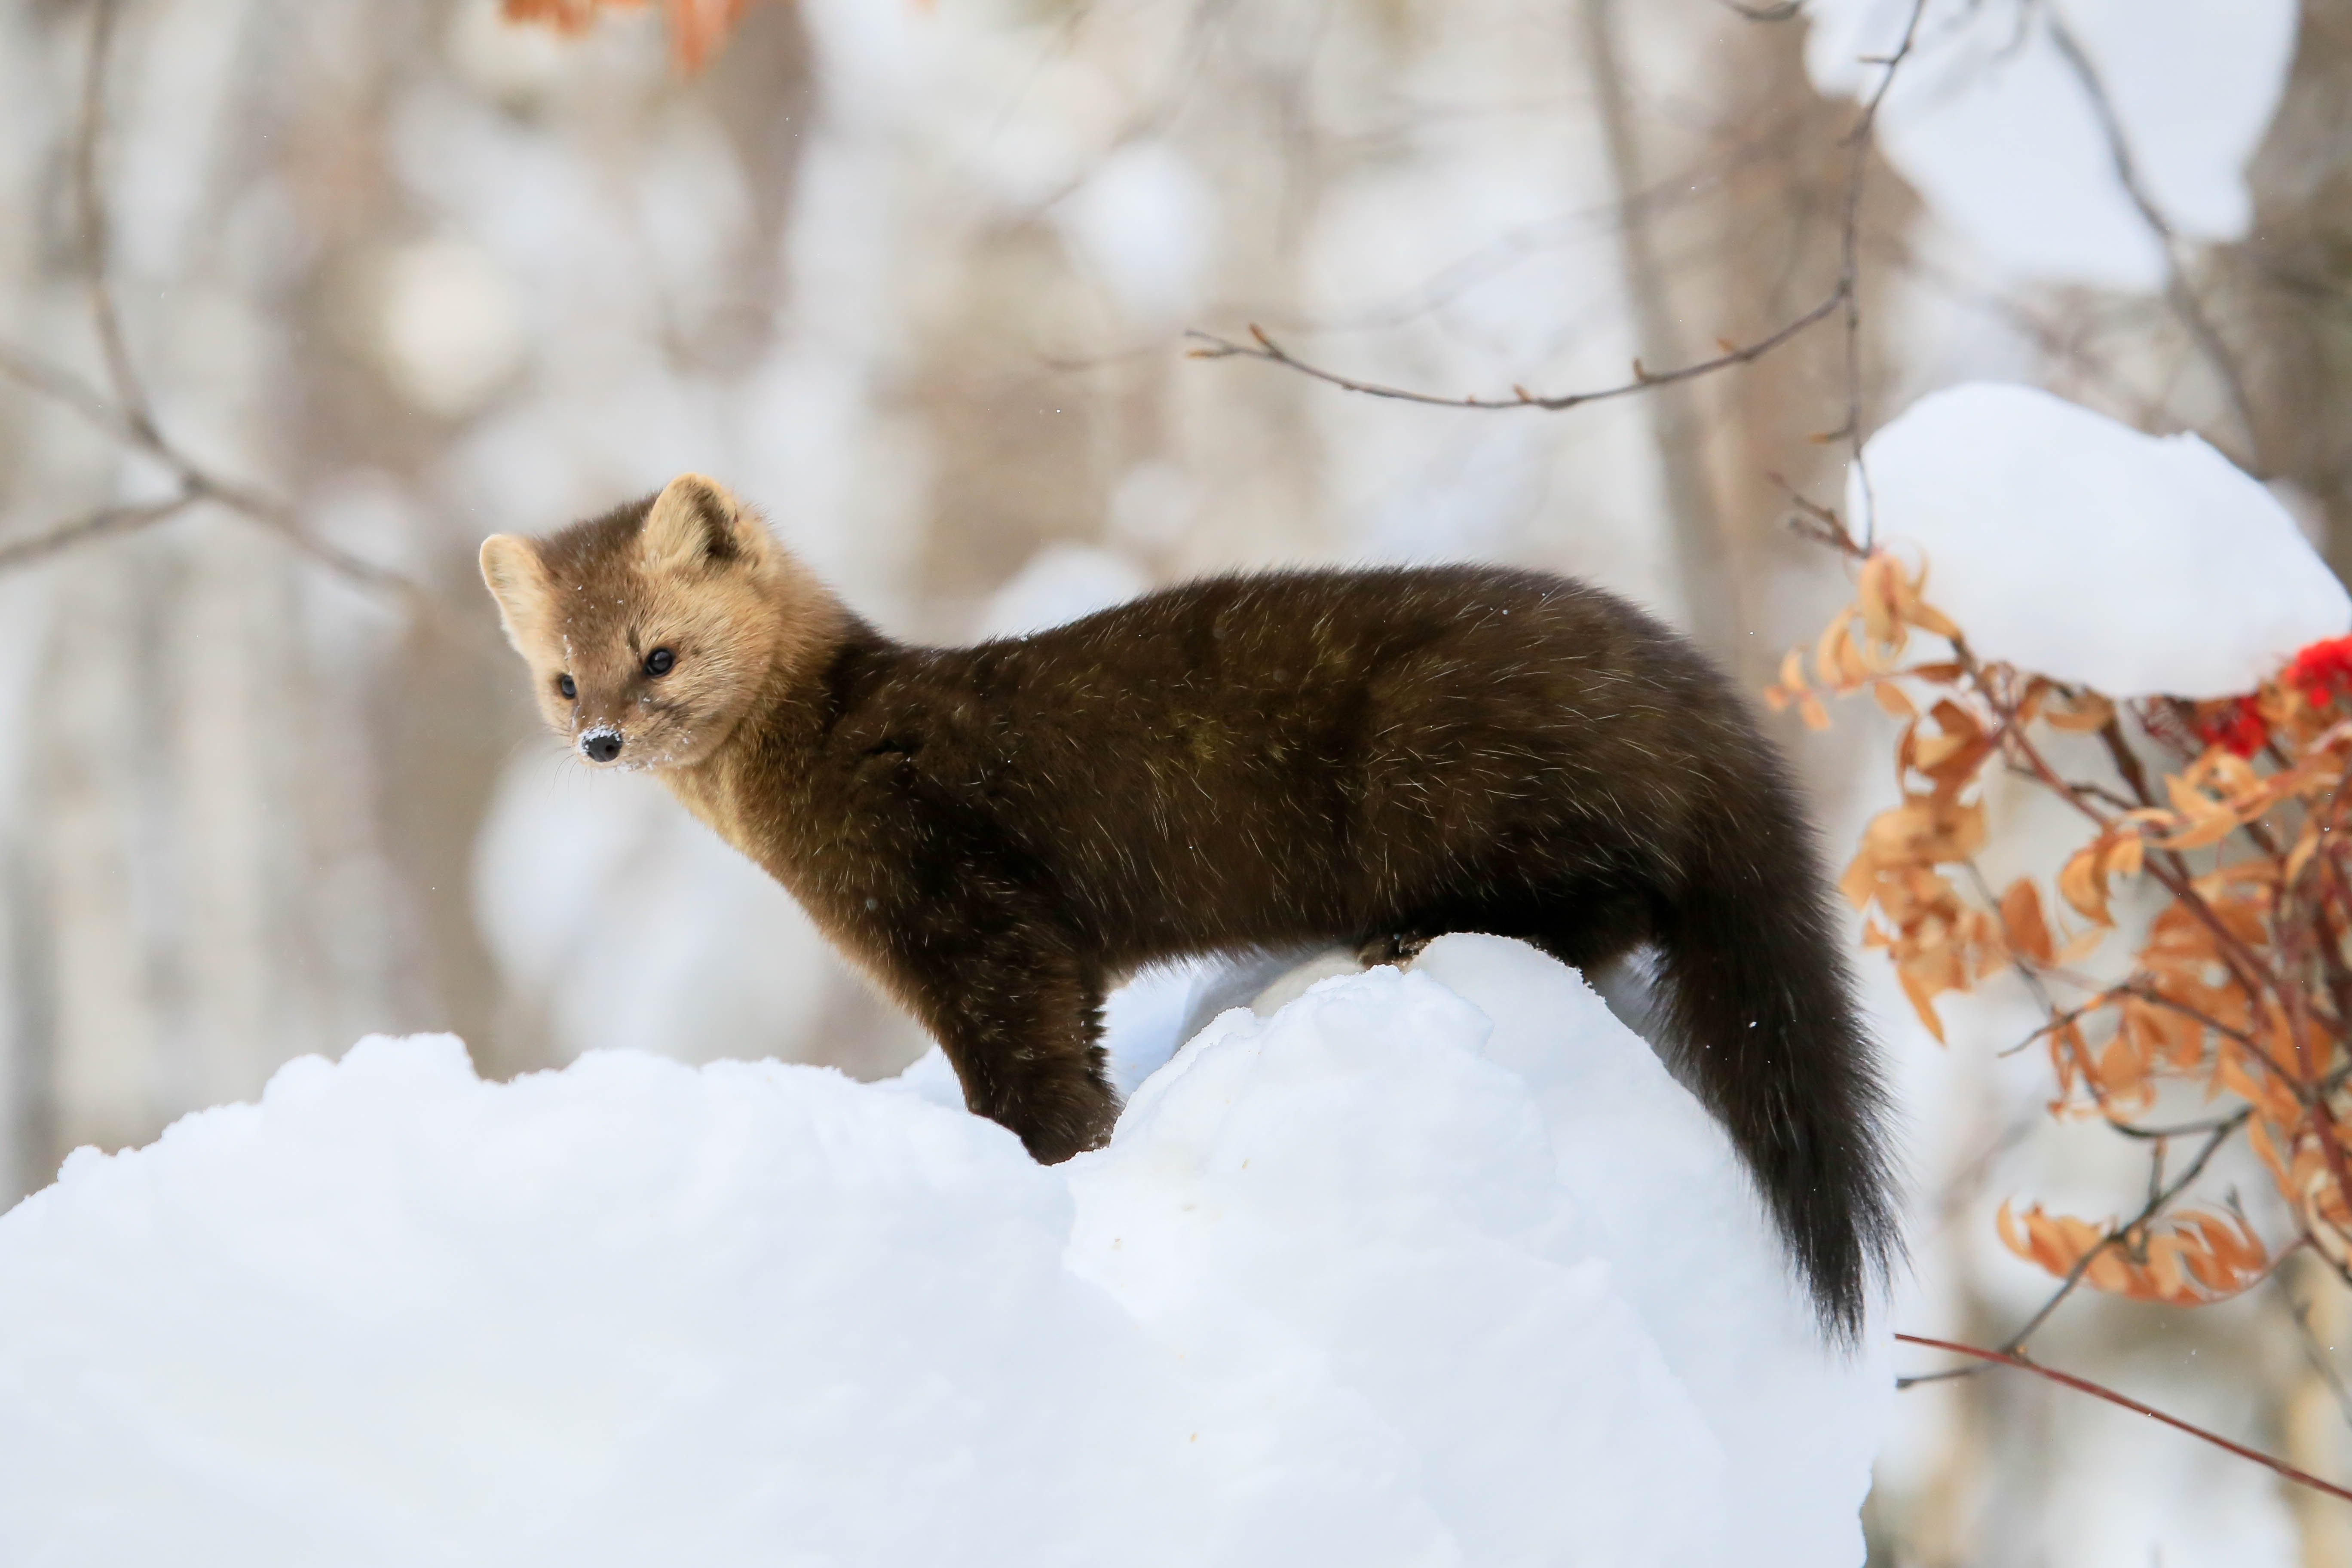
[602, 745]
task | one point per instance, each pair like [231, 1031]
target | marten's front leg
[1024, 1031]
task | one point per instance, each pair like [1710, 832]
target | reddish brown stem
[2084, 1386]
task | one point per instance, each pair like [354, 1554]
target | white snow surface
[1435, 1268]
[1989, 122]
[2064, 542]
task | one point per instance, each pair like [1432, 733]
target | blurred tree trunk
[1708, 559]
[2285, 294]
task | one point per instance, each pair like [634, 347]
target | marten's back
[1303, 747]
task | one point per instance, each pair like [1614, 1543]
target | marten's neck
[738, 788]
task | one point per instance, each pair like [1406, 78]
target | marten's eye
[563, 684]
[660, 661]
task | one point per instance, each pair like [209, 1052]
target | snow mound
[1992, 124]
[2065, 542]
[1426, 1269]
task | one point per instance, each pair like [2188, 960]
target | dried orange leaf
[2027, 932]
[1825, 651]
[2083, 883]
[2126, 857]
[2208, 830]
[1923, 1002]
[1927, 619]
[1875, 597]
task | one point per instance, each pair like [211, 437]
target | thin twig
[2056, 342]
[2118, 1235]
[2016, 963]
[280, 519]
[61, 386]
[2058, 1021]
[1844, 295]
[2243, 966]
[128, 394]
[2126, 760]
[102, 523]
[1818, 523]
[1265, 348]
[126, 414]
[1862, 137]
[2313, 1350]
[2084, 1386]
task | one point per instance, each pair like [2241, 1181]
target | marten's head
[651, 630]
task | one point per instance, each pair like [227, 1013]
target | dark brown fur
[1000, 833]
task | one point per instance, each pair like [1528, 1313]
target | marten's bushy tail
[1759, 997]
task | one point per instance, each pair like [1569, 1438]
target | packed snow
[1990, 122]
[2065, 542]
[1427, 1268]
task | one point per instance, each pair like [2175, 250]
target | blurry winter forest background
[917, 280]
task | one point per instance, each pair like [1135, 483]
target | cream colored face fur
[699, 577]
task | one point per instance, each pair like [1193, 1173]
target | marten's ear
[512, 567]
[696, 523]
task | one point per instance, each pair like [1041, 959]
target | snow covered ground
[1437, 1267]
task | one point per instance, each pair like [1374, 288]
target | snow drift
[2064, 542]
[1435, 1268]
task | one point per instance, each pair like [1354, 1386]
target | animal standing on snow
[998, 834]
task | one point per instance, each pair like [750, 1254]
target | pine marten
[999, 833]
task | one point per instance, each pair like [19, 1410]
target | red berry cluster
[2321, 672]
[2238, 726]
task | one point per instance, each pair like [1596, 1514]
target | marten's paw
[1395, 948]
[1069, 1120]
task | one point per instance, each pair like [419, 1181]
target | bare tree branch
[62, 385]
[102, 523]
[1266, 349]
[2052, 340]
[1699, 546]
[2099, 1391]
[2315, 1352]
[126, 414]
[280, 519]
[2178, 290]
[128, 395]
[1844, 296]
[1863, 138]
